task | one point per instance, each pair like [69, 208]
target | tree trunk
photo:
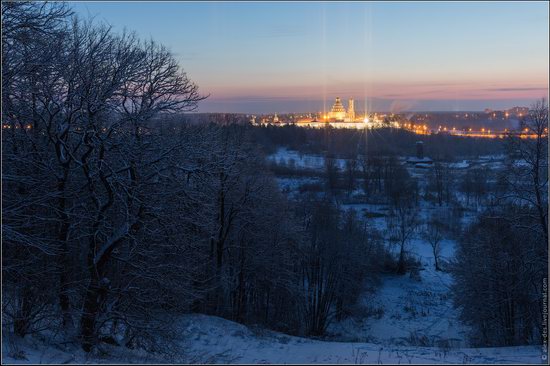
[22, 319]
[89, 315]
[401, 264]
[63, 234]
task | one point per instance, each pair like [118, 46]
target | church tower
[338, 112]
[351, 110]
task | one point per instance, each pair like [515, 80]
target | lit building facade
[338, 112]
[339, 117]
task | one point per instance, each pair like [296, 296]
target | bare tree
[433, 235]
[82, 161]
[497, 281]
[28, 63]
[402, 225]
[331, 172]
[501, 258]
[437, 181]
[141, 82]
[351, 171]
[528, 176]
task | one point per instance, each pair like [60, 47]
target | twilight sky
[265, 57]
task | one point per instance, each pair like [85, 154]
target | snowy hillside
[407, 310]
[220, 336]
[208, 339]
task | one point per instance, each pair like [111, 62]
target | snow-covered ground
[293, 184]
[375, 214]
[208, 339]
[417, 324]
[283, 156]
[248, 346]
[407, 319]
[406, 310]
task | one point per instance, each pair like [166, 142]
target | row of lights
[443, 128]
[27, 127]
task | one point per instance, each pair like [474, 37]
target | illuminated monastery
[339, 114]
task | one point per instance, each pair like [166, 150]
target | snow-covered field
[248, 346]
[376, 213]
[208, 339]
[293, 184]
[409, 311]
[283, 156]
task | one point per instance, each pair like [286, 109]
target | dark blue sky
[297, 56]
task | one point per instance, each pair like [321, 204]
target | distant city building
[518, 111]
[339, 117]
[338, 112]
[351, 110]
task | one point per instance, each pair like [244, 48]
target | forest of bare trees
[118, 216]
[501, 262]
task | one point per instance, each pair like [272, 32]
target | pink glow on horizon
[433, 91]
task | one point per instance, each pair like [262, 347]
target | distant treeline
[344, 143]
